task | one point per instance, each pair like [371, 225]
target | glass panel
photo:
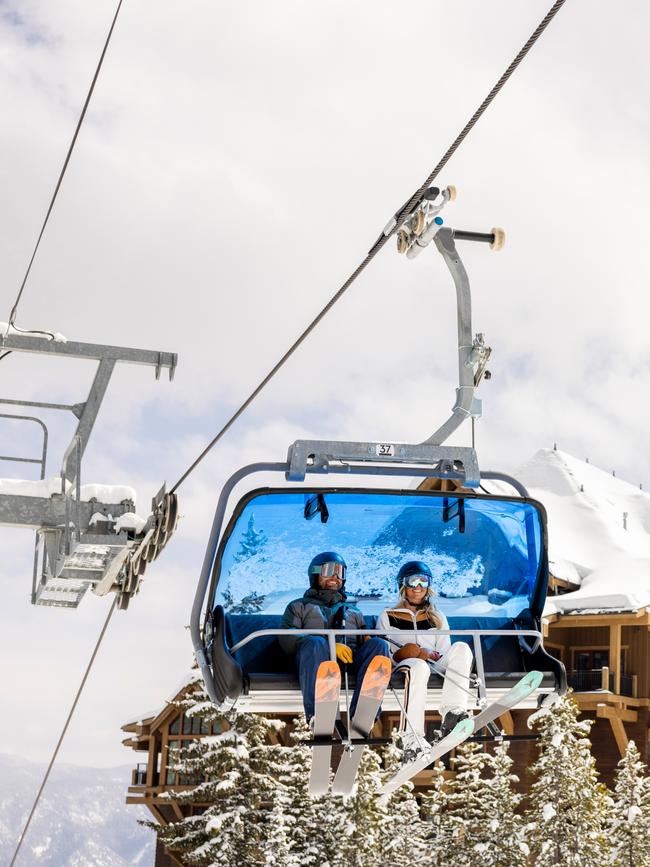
[175, 726]
[484, 553]
[187, 725]
[172, 757]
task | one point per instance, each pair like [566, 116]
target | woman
[419, 645]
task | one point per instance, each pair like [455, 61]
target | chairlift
[87, 536]
[487, 552]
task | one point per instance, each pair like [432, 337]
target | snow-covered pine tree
[363, 814]
[463, 821]
[435, 833]
[402, 832]
[238, 772]
[313, 825]
[629, 827]
[251, 542]
[568, 808]
[501, 841]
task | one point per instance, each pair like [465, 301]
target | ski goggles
[417, 581]
[332, 570]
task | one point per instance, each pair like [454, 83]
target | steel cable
[63, 732]
[14, 309]
[399, 218]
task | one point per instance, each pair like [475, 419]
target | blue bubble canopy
[487, 555]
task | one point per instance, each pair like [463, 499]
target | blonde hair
[432, 613]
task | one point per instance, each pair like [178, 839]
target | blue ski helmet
[413, 567]
[316, 565]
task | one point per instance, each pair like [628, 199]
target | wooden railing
[602, 679]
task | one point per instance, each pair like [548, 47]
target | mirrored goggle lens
[328, 570]
[417, 581]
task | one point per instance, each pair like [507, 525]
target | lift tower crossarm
[96, 351]
[107, 356]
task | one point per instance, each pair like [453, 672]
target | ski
[328, 687]
[465, 728]
[371, 695]
[456, 736]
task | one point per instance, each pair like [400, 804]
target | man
[324, 606]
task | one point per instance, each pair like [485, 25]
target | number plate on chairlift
[385, 450]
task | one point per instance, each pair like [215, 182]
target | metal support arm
[462, 409]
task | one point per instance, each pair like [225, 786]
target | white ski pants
[456, 664]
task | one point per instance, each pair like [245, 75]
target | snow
[26, 488]
[39, 332]
[633, 813]
[598, 533]
[82, 818]
[130, 521]
[621, 584]
[48, 487]
[548, 812]
[586, 526]
[107, 493]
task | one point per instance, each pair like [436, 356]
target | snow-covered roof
[192, 677]
[622, 584]
[593, 516]
[598, 532]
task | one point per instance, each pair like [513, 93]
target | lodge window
[592, 658]
[187, 729]
[172, 755]
[195, 725]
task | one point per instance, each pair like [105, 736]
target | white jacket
[426, 637]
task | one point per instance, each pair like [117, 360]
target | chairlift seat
[267, 667]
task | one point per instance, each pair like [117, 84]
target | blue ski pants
[314, 649]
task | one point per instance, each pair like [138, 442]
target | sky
[236, 164]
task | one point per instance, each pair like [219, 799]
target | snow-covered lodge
[597, 621]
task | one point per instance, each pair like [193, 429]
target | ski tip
[533, 679]
[381, 666]
[328, 682]
[329, 668]
[376, 678]
[465, 728]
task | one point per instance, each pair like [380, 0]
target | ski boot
[413, 746]
[449, 722]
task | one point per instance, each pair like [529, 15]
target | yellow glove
[344, 653]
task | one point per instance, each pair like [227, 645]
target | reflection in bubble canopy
[484, 553]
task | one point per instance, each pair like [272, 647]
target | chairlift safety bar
[330, 634]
